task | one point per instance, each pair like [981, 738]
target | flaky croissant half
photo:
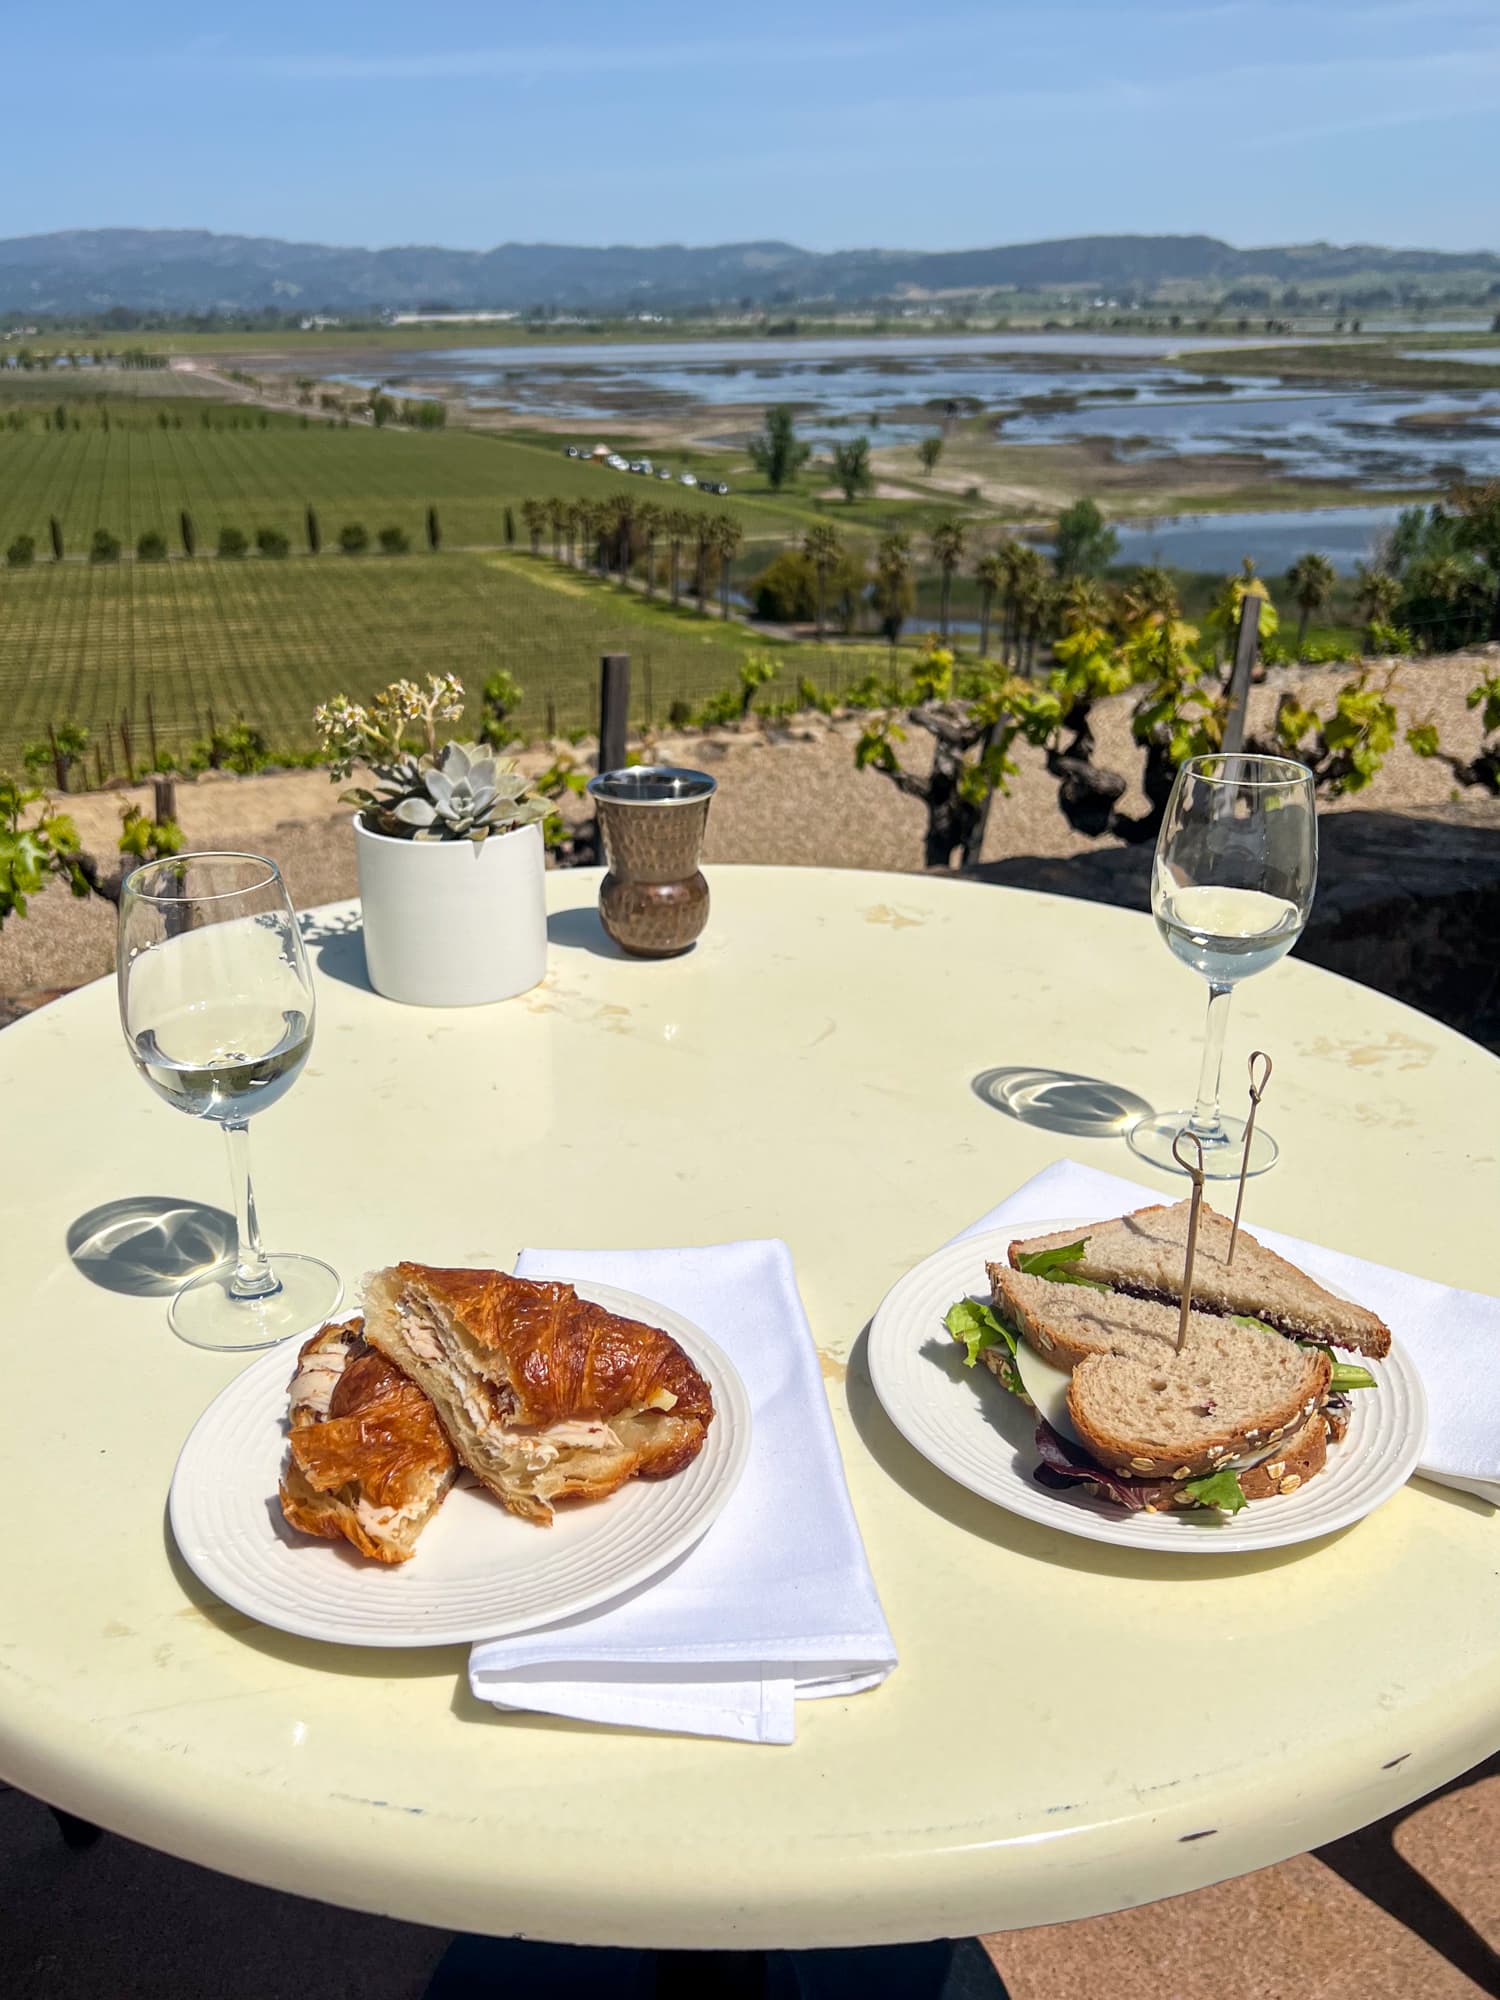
[367, 1459]
[545, 1396]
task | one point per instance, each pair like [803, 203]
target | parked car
[686, 479]
[572, 451]
[663, 472]
[617, 462]
[712, 486]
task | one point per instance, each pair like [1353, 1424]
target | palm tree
[822, 545]
[990, 573]
[1377, 596]
[703, 545]
[622, 522]
[648, 521]
[679, 525]
[893, 592]
[1084, 600]
[728, 537]
[534, 514]
[1031, 593]
[1312, 579]
[1150, 593]
[947, 544]
[570, 529]
[557, 516]
[588, 529]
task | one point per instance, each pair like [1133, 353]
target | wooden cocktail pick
[1195, 1174]
[1257, 1092]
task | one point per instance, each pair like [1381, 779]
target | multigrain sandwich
[1085, 1328]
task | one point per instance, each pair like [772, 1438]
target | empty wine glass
[216, 1000]
[1231, 888]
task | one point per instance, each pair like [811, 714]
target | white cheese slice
[1047, 1386]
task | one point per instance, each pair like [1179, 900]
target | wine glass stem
[1205, 1119]
[253, 1277]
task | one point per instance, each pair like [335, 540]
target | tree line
[232, 542]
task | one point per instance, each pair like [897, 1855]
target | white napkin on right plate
[1452, 1336]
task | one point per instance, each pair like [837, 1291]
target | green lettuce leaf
[1344, 1374]
[1217, 1489]
[978, 1326]
[1054, 1264]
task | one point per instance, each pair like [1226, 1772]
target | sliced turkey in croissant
[367, 1459]
[545, 1396]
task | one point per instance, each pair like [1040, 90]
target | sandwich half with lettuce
[1085, 1329]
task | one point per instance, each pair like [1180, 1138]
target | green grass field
[267, 641]
[136, 475]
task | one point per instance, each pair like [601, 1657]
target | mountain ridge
[90, 271]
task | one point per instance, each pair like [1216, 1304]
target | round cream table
[1072, 1729]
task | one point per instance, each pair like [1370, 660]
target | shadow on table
[581, 930]
[1058, 1100]
[149, 1245]
[338, 947]
[991, 1523]
[950, 1969]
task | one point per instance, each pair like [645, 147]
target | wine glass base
[1153, 1139]
[205, 1313]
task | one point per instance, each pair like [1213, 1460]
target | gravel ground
[791, 796]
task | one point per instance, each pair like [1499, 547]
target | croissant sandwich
[367, 1458]
[545, 1396]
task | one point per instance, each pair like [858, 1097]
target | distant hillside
[89, 271]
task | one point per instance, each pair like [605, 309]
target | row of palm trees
[614, 534]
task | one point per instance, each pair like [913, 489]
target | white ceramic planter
[451, 924]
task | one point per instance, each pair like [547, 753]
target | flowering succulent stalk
[461, 792]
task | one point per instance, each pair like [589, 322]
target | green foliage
[1223, 619]
[1084, 544]
[777, 451]
[1388, 642]
[241, 747]
[272, 543]
[1308, 653]
[394, 542]
[104, 548]
[1486, 698]
[851, 468]
[21, 552]
[502, 696]
[145, 839]
[233, 543]
[314, 531]
[186, 530]
[786, 590]
[894, 591]
[930, 450]
[354, 538]
[44, 848]
[152, 547]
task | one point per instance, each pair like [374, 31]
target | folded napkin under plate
[776, 1604]
[1453, 1337]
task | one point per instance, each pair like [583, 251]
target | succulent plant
[464, 793]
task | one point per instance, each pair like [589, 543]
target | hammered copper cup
[653, 902]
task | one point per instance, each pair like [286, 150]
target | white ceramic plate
[980, 1435]
[478, 1572]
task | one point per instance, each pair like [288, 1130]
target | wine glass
[1231, 888]
[216, 1000]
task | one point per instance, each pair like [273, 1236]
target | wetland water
[1128, 392]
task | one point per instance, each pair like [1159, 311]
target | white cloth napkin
[776, 1604]
[1452, 1336]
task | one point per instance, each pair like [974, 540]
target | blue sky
[931, 125]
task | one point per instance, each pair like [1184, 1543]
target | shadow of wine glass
[1083, 1107]
[149, 1245]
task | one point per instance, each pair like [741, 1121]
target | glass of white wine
[216, 1000]
[1231, 889]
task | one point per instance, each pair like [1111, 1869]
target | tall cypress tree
[189, 539]
[510, 529]
[314, 535]
[55, 526]
[434, 532]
